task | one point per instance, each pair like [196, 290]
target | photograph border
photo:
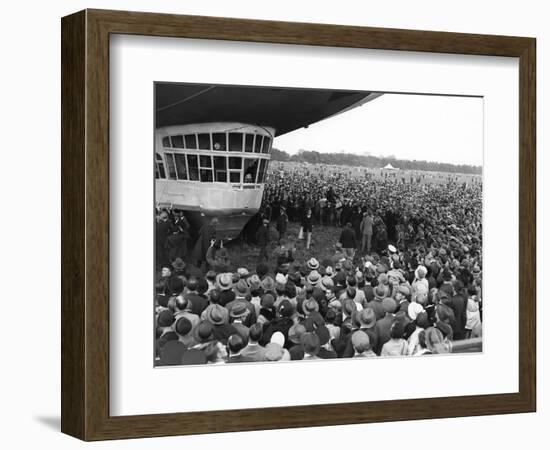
[85, 223]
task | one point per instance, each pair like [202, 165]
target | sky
[446, 129]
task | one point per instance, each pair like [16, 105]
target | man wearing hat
[338, 255]
[282, 223]
[383, 325]
[241, 290]
[366, 321]
[401, 294]
[284, 255]
[313, 264]
[262, 239]
[237, 316]
[295, 334]
[162, 227]
[268, 285]
[251, 315]
[361, 345]
[179, 267]
[225, 284]
[314, 278]
[348, 241]
[218, 316]
[366, 232]
[176, 242]
[207, 236]
[376, 303]
[420, 285]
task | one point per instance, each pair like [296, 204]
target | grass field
[322, 246]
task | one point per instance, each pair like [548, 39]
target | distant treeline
[349, 159]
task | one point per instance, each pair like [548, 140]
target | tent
[389, 167]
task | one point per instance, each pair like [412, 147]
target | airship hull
[201, 202]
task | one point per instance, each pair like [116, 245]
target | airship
[213, 143]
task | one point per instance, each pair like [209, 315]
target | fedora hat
[360, 341]
[178, 264]
[314, 277]
[268, 284]
[238, 309]
[404, 289]
[225, 281]
[254, 282]
[367, 318]
[327, 283]
[379, 292]
[295, 332]
[243, 272]
[313, 264]
[241, 287]
[216, 314]
[389, 305]
[310, 305]
[349, 307]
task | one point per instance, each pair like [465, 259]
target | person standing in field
[262, 238]
[307, 227]
[347, 239]
[282, 224]
[366, 232]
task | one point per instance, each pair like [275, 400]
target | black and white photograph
[300, 224]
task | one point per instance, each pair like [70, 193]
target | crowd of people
[403, 277]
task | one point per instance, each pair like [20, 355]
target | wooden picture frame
[85, 224]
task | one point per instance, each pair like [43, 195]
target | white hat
[420, 272]
[280, 278]
[243, 272]
[392, 249]
[313, 264]
[278, 338]
[414, 309]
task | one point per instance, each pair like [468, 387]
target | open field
[373, 174]
[322, 246]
